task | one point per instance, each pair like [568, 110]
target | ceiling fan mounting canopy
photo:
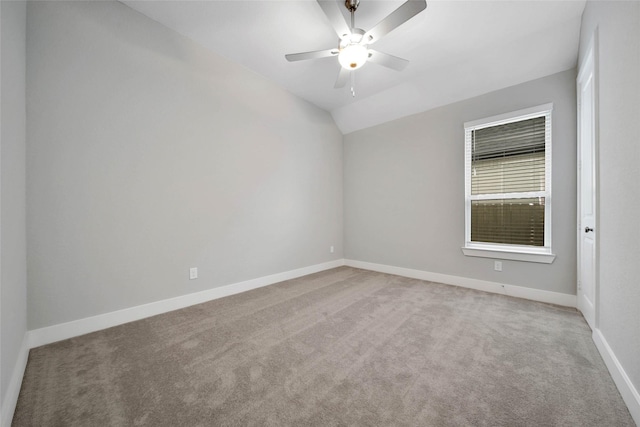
[351, 5]
[353, 46]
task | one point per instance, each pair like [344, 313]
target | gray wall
[148, 155]
[404, 189]
[618, 26]
[13, 273]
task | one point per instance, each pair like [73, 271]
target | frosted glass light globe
[353, 56]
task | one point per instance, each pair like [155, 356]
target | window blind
[509, 158]
[515, 138]
[508, 182]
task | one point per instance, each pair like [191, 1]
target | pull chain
[353, 84]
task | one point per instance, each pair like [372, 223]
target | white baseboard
[13, 391]
[79, 327]
[87, 325]
[625, 386]
[465, 282]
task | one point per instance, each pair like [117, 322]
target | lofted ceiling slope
[457, 49]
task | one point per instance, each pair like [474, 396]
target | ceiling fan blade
[387, 60]
[398, 17]
[343, 78]
[330, 9]
[311, 55]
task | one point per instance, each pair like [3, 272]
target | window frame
[541, 254]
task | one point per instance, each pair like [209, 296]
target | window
[508, 186]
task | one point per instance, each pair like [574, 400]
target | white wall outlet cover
[193, 273]
[497, 265]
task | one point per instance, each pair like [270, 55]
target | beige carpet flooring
[344, 347]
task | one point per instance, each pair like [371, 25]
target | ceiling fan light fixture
[353, 56]
[353, 46]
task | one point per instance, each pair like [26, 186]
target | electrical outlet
[497, 265]
[193, 273]
[331, 249]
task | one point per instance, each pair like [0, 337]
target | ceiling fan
[353, 45]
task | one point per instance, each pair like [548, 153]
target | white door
[587, 233]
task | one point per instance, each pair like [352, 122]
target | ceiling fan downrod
[352, 6]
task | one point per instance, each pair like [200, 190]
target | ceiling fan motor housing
[353, 38]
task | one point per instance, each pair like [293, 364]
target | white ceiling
[457, 49]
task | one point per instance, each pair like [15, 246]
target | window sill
[510, 255]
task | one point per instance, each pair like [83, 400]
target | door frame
[591, 54]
